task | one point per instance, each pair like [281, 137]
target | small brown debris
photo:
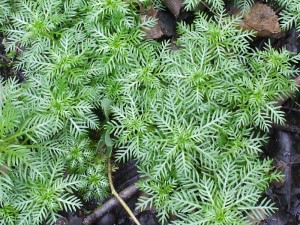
[126, 194]
[153, 32]
[165, 24]
[262, 19]
[174, 6]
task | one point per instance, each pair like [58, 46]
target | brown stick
[126, 194]
[5, 58]
[117, 196]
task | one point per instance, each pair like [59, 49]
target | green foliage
[94, 182]
[38, 196]
[214, 5]
[46, 155]
[290, 15]
[4, 11]
[88, 164]
[243, 5]
[190, 117]
[32, 183]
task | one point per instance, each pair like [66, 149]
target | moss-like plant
[191, 117]
[33, 187]
[290, 15]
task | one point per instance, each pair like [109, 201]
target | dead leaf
[262, 19]
[174, 6]
[165, 24]
[153, 32]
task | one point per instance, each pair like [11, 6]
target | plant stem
[5, 58]
[117, 196]
[127, 193]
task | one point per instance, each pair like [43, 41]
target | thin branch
[207, 6]
[5, 58]
[115, 193]
[126, 194]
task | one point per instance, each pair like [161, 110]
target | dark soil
[284, 148]
[6, 65]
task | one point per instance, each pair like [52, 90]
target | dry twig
[126, 194]
[117, 196]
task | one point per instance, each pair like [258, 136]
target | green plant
[68, 50]
[190, 121]
[290, 14]
[4, 11]
[90, 165]
[216, 6]
[39, 196]
[190, 117]
[32, 185]
[45, 119]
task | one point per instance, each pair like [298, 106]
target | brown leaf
[262, 19]
[153, 32]
[174, 6]
[165, 24]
